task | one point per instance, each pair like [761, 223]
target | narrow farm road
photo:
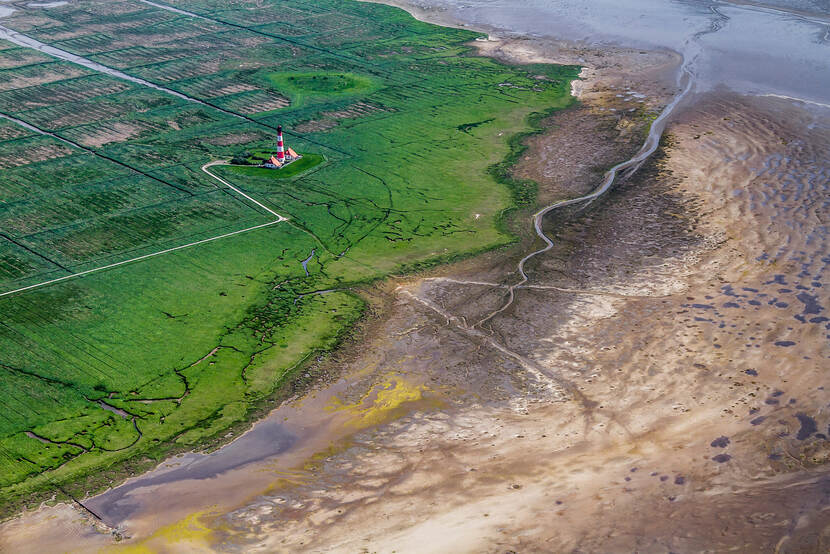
[205, 167]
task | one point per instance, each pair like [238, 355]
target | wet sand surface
[773, 47]
[687, 411]
[659, 384]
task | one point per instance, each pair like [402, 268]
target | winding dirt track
[686, 79]
[205, 167]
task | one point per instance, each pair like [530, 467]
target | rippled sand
[690, 353]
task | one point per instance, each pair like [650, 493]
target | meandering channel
[686, 82]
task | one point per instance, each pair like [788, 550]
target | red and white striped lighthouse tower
[280, 146]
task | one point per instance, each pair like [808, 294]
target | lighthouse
[282, 157]
[280, 146]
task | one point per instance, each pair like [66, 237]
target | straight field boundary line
[239, 192]
[26, 41]
[205, 167]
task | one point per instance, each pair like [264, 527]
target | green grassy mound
[307, 162]
[305, 87]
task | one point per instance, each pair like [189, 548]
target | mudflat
[658, 383]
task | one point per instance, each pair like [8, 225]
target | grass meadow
[399, 122]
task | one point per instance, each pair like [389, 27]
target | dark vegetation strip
[34, 252]
[92, 151]
[523, 191]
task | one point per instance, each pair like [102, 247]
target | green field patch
[139, 55]
[109, 107]
[39, 75]
[54, 210]
[281, 28]
[253, 15]
[131, 233]
[12, 131]
[89, 44]
[32, 149]
[252, 102]
[80, 430]
[39, 179]
[307, 87]
[32, 457]
[17, 263]
[58, 83]
[19, 57]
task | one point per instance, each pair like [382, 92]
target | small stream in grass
[306, 261]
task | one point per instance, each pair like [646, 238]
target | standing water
[781, 49]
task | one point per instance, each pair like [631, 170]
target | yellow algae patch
[384, 402]
[315, 462]
[286, 480]
[190, 534]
